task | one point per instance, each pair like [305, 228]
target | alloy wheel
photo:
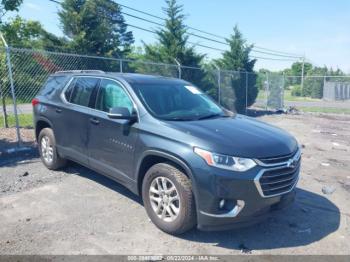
[46, 149]
[164, 199]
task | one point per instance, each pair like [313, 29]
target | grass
[332, 110]
[288, 97]
[25, 120]
[9, 101]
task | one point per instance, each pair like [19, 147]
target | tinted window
[174, 101]
[82, 90]
[53, 83]
[69, 90]
[110, 95]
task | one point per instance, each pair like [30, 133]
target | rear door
[73, 127]
[112, 141]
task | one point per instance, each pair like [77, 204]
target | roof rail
[80, 71]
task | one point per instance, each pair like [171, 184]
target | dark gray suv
[193, 162]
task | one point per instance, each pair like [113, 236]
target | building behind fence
[336, 91]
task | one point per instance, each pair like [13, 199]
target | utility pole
[302, 73]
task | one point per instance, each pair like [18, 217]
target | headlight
[225, 162]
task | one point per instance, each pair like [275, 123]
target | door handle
[94, 121]
[58, 110]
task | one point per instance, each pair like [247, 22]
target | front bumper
[210, 223]
[251, 195]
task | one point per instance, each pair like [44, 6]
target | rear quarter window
[53, 83]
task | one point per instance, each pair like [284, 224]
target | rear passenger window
[82, 90]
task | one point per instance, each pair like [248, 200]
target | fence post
[246, 92]
[282, 93]
[266, 90]
[9, 67]
[178, 67]
[219, 83]
[120, 66]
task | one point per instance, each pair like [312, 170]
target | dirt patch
[76, 211]
[8, 138]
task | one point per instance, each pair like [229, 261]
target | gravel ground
[76, 211]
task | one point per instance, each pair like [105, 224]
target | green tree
[8, 5]
[95, 27]
[237, 58]
[5, 5]
[173, 44]
[296, 68]
[19, 32]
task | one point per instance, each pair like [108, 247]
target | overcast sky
[320, 29]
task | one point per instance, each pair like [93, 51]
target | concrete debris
[327, 190]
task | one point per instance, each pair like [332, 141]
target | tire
[48, 151]
[171, 223]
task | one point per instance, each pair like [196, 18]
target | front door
[112, 141]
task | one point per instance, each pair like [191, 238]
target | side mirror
[121, 113]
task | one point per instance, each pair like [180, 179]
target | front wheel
[168, 198]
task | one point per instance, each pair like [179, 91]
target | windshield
[177, 101]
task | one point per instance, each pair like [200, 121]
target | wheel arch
[152, 157]
[40, 124]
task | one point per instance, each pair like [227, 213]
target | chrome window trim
[64, 100]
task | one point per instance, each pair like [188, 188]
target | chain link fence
[29, 69]
[24, 71]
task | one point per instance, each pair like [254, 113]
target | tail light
[35, 101]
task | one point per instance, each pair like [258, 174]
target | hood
[238, 136]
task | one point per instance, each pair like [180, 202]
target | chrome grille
[280, 177]
[279, 159]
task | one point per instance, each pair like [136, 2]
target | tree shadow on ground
[309, 219]
[17, 154]
[76, 169]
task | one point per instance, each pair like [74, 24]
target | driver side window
[110, 95]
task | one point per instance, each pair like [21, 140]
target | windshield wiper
[179, 119]
[211, 116]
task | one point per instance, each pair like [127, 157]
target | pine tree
[95, 27]
[237, 59]
[173, 44]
